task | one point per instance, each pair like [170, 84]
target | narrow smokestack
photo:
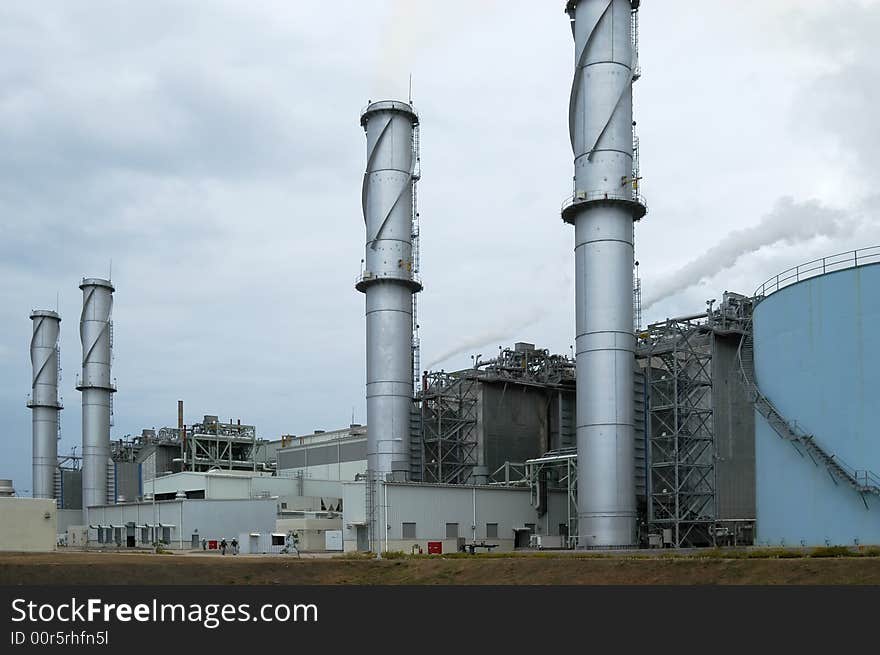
[44, 401]
[389, 283]
[95, 334]
[181, 432]
[602, 209]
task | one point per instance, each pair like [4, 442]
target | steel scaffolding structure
[681, 443]
[212, 444]
[528, 365]
[448, 405]
[556, 470]
[449, 419]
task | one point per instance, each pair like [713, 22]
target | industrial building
[747, 422]
[447, 518]
[334, 455]
[179, 523]
[26, 524]
[701, 432]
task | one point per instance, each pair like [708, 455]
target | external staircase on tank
[863, 481]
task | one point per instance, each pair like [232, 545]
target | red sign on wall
[435, 548]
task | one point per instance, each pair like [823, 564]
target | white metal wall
[432, 507]
[211, 519]
[28, 524]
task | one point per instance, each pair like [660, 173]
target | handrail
[579, 197]
[805, 271]
[865, 481]
[366, 276]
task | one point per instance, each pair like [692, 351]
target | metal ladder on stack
[370, 506]
[61, 406]
[636, 166]
[59, 488]
[637, 69]
[417, 174]
[863, 481]
[112, 404]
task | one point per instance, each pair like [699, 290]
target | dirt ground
[182, 569]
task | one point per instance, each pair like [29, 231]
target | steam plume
[414, 26]
[489, 337]
[790, 223]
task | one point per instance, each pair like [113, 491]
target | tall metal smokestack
[603, 207]
[95, 331]
[44, 401]
[389, 283]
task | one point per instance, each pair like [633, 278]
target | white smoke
[790, 223]
[486, 338]
[414, 26]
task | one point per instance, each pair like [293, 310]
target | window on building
[166, 535]
[452, 530]
[491, 531]
[277, 539]
[530, 527]
[409, 530]
[283, 505]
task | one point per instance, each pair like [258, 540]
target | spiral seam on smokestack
[44, 402]
[603, 214]
[365, 189]
[97, 389]
[48, 358]
[389, 284]
[578, 77]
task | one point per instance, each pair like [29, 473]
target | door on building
[129, 535]
[563, 532]
[363, 541]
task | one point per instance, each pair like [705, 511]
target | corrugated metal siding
[734, 424]
[639, 405]
[71, 489]
[514, 422]
[128, 481]
[431, 508]
[302, 456]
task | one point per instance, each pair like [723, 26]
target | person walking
[234, 546]
[223, 546]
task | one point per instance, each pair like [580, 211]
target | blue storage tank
[817, 359]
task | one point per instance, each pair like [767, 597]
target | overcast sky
[212, 152]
